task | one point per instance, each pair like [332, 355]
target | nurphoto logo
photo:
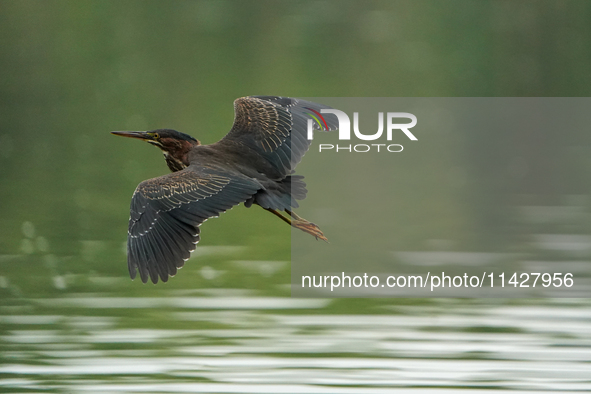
[345, 130]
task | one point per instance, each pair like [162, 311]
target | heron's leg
[293, 214]
[279, 215]
[302, 224]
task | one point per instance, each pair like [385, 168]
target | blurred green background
[71, 71]
[74, 70]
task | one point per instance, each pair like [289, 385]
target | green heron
[253, 164]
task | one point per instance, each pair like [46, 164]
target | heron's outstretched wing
[276, 128]
[166, 213]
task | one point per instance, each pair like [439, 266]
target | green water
[72, 321]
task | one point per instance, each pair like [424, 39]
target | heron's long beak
[141, 135]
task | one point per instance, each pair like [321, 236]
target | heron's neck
[177, 158]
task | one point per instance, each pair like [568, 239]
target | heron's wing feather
[276, 128]
[166, 213]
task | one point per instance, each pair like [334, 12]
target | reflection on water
[256, 344]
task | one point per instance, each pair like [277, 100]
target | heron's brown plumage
[252, 164]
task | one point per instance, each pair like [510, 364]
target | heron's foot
[308, 227]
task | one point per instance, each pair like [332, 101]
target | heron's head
[174, 145]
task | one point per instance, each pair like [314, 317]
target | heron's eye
[157, 136]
